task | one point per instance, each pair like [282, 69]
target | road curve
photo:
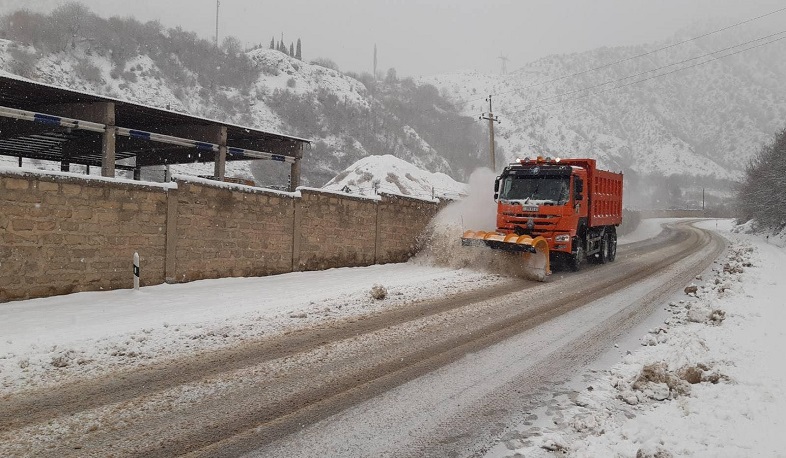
[260, 397]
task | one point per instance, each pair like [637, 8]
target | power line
[651, 77]
[710, 54]
[636, 56]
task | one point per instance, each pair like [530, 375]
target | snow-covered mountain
[707, 120]
[697, 127]
[390, 174]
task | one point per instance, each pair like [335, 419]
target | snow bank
[709, 381]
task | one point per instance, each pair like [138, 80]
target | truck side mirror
[496, 188]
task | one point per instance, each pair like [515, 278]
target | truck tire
[612, 245]
[605, 245]
[577, 256]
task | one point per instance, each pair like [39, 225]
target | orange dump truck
[562, 211]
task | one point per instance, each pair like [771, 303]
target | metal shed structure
[41, 121]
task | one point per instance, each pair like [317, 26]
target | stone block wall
[230, 232]
[401, 221]
[334, 231]
[63, 233]
[60, 235]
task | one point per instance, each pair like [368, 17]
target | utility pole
[491, 119]
[375, 61]
[218, 3]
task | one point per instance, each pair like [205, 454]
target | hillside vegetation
[348, 116]
[762, 194]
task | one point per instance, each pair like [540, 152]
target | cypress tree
[298, 54]
[292, 49]
[272, 43]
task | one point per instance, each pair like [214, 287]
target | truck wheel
[603, 255]
[576, 257]
[612, 246]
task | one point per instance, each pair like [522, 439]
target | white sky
[421, 37]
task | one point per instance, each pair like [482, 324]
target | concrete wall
[61, 234]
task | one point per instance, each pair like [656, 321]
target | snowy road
[410, 378]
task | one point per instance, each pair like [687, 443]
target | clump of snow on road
[441, 241]
[709, 381]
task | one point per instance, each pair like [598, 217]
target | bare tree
[70, 18]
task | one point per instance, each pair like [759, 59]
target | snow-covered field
[727, 336]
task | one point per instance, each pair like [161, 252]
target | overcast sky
[420, 37]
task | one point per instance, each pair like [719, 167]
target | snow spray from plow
[534, 251]
[441, 244]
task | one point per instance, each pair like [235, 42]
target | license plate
[530, 208]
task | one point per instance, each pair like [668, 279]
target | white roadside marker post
[136, 271]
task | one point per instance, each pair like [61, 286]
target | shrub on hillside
[324, 62]
[23, 62]
[87, 71]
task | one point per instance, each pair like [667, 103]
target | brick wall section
[335, 230]
[231, 232]
[401, 221]
[60, 235]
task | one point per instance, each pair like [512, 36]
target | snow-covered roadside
[709, 381]
[49, 340]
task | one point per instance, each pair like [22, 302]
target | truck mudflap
[535, 250]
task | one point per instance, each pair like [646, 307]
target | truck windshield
[538, 188]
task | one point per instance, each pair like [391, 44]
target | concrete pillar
[294, 175]
[65, 163]
[108, 140]
[297, 220]
[221, 157]
[170, 257]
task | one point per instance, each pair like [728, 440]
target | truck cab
[561, 201]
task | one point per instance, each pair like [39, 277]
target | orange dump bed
[605, 193]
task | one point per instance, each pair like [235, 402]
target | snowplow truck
[555, 211]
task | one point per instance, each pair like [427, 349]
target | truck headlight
[562, 238]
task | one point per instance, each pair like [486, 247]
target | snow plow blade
[535, 251]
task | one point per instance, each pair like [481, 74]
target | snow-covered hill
[707, 120]
[392, 175]
[704, 122]
[289, 96]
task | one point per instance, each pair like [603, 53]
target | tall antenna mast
[218, 3]
[504, 60]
